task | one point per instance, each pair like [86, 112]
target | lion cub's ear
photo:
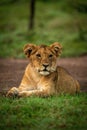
[56, 48]
[29, 49]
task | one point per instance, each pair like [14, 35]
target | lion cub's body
[42, 76]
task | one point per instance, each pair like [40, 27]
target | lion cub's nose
[46, 65]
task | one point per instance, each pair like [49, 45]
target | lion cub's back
[66, 83]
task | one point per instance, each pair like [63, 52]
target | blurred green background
[64, 21]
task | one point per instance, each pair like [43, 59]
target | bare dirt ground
[12, 70]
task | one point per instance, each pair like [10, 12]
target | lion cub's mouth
[45, 69]
[44, 72]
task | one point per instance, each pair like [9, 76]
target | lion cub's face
[43, 58]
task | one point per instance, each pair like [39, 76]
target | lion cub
[42, 76]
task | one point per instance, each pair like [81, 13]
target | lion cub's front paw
[12, 92]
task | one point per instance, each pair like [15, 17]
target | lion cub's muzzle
[45, 69]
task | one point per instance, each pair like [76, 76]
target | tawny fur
[42, 75]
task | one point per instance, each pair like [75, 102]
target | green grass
[52, 23]
[53, 113]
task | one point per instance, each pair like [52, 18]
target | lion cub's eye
[38, 55]
[50, 55]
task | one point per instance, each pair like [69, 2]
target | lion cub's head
[43, 58]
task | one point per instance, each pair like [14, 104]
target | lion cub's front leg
[39, 93]
[13, 92]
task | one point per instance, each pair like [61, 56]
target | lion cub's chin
[44, 73]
